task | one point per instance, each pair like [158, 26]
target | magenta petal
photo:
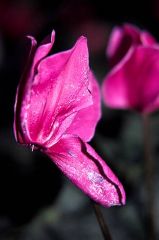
[58, 91]
[44, 48]
[22, 95]
[23, 86]
[123, 38]
[120, 41]
[133, 83]
[128, 34]
[147, 39]
[81, 164]
[86, 119]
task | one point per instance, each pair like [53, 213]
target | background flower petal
[121, 39]
[134, 82]
[124, 37]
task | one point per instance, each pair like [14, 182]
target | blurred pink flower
[57, 108]
[133, 83]
[122, 38]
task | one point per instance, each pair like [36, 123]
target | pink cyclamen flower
[57, 108]
[133, 82]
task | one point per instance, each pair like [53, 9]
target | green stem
[101, 221]
[149, 178]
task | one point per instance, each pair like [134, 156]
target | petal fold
[82, 165]
[86, 119]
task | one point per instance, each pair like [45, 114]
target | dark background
[36, 201]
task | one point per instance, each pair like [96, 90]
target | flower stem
[101, 222]
[149, 178]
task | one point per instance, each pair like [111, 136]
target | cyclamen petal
[35, 55]
[44, 49]
[86, 119]
[123, 38]
[133, 81]
[56, 110]
[45, 113]
[81, 164]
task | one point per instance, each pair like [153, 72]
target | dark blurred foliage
[35, 201]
